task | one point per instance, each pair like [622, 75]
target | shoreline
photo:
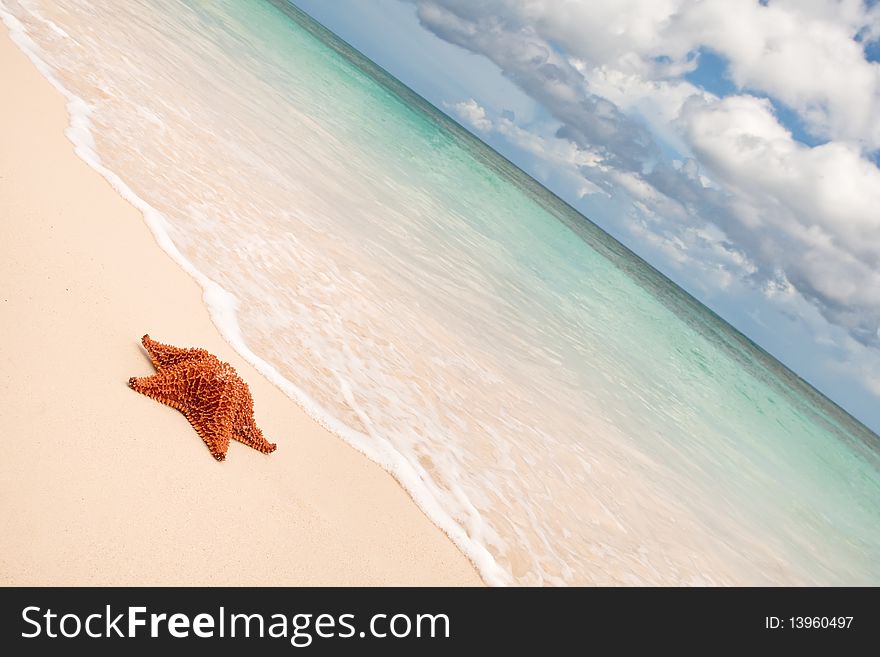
[101, 485]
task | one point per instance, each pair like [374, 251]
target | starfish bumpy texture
[207, 391]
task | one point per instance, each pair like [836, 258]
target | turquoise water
[563, 411]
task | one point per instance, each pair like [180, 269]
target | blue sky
[733, 145]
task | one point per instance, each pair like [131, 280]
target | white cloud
[472, 114]
[802, 52]
[810, 212]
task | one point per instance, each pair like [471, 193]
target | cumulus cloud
[743, 199]
[802, 53]
[808, 54]
[472, 114]
[811, 212]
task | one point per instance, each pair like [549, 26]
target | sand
[102, 486]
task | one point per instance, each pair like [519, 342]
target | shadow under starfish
[209, 392]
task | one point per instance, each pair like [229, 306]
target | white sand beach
[103, 486]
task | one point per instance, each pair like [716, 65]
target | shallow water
[564, 412]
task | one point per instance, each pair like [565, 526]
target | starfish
[209, 392]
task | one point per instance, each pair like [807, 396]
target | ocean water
[562, 411]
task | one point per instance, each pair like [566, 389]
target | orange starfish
[207, 391]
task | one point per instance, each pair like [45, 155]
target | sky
[733, 144]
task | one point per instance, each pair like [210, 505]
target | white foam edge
[222, 305]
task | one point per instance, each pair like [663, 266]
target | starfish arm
[183, 388]
[249, 433]
[164, 387]
[164, 355]
[211, 412]
[214, 432]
